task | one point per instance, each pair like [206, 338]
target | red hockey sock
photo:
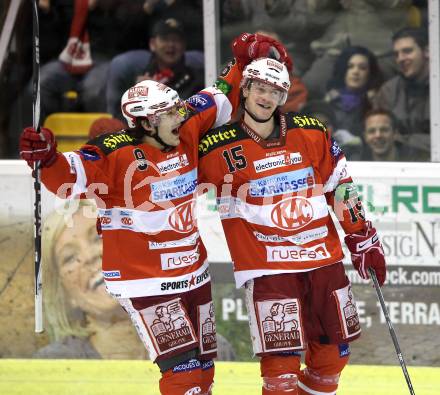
[279, 373]
[325, 363]
[208, 369]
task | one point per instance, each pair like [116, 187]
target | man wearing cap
[166, 62]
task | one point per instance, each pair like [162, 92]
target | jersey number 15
[234, 158]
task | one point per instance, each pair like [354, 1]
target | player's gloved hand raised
[366, 251]
[36, 146]
[248, 47]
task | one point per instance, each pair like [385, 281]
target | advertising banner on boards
[402, 200]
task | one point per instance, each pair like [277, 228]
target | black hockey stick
[391, 329]
[38, 291]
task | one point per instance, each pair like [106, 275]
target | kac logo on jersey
[182, 218]
[126, 221]
[105, 219]
[292, 213]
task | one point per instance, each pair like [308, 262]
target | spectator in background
[188, 12]
[167, 63]
[297, 95]
[297, 22]
[81, 67]
[407, 94]
[382, 140]
[356, 77]
[366, 23]
[74, 77]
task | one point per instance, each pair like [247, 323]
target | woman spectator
[356, 78]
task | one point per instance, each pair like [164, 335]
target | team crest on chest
[183, 218]
[292, 213]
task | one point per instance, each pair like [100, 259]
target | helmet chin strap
[257, 119]
[166, 147]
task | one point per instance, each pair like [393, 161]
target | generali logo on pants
[347, 311]
[207, 328]
[280, 324]
[169, 325]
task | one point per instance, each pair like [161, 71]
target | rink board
[402, 199]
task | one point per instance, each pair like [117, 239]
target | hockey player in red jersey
[275, 175]
[144, 180]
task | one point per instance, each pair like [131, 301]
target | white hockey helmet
[269, 71]
[147, 100]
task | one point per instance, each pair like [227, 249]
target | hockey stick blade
[391, 329]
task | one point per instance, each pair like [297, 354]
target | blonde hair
[62, 318]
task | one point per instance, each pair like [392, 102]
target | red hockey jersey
[273, 195]
[146, 199]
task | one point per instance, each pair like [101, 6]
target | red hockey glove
[248, 47]
[366, 251]
[38, 146]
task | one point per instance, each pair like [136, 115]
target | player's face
[410, 58]
[358, 72]
[169, 123]
[78, 253]
[379, 134]
[262, 99]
